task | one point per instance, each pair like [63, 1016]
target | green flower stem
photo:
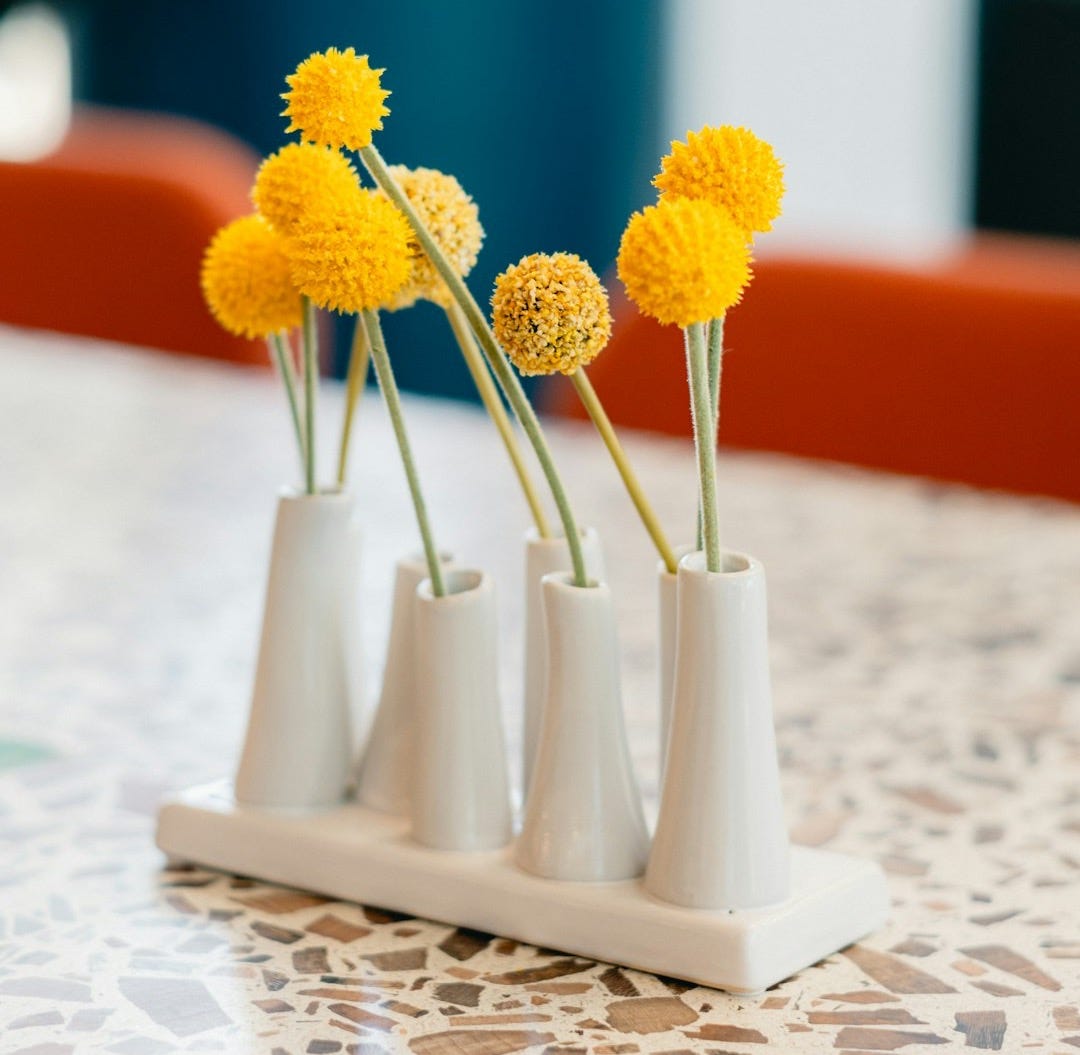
[633, 486]
[504, 373]
[283, 358]
[489, 396]
[701, 409]
[311, 384]
[356, 378]
[385, 376]
[715, 359]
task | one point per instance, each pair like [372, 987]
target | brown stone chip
[615, 1049]
[894, 974]
[930, 799]
[356, 996]
[382, 915]
[1066, 1018]
[399, 959]
[311, 961]
[278, 901]
[862, 996]
[736, 1034]
[331, 926]
[273, 1007]
[983, 1029]
[899, 865]
[465, 994]
[362, 1017]
[323, 1047]
[519, 1019]
[505, 947]
[181, 904]
[879, 1016]
[399, 1007]
[987, 919]
[883, 1039]
[914, 947]
[650, 1014]
[281, 934]
[1004, 959]
[617, 983]
[555, 969]
[463, 944]
[274, 980]
[995, 989]
[560, 988]
[478, 1041]
[770, 1003]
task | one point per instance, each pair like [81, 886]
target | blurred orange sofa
[104, 237]
[966, 369]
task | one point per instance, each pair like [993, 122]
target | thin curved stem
[283, 359]
[356, 378]
[385, 376]
[701, 409]
[715, 360]
[489, 396]
[311, 385]
[633, 486]
[504, 373]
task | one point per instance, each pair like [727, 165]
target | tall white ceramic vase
[583, 818]
[543, 556]
[667, 594]
[385, 771]
[721, 841]
[461, 791]
[298, 749]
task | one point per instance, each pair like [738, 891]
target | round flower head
[684, 261]
[290, 180]
[550, 313]
[454, 222]
[246, 281]
[352, 256]
[335, 99]
[730, 167]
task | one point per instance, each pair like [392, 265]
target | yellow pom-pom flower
[684, 260]
[246, 279]
[353, 257]
[335, 99]
[453, 220]
[550, 313]
[289, 181]
[731, 167]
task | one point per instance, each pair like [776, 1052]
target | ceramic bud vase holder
[385, 772]
[299, 744]
[543, 556]
[721, 841]
[583, 818]
[667, 589]
[460, 789]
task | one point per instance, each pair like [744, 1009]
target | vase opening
[456, 581]
[734, 563]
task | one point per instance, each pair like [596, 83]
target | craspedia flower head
[351, 257]
[731, 167]
[453, 219]
[246, 279]
[297, 175]
[335, 99]
[550, 313]
[684, 260]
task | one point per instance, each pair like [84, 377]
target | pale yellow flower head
[246, 280]
[550, 313]
[684, 260]
[299, 174]
[731, 167]
[453, 220]
[335, 99]
[351, 257]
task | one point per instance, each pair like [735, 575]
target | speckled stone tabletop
[926, 663]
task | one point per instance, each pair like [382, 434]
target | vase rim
[463, 586]
[336, 492]
[532, 535]
[564, 580]
[736, 565]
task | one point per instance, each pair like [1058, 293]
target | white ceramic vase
[460, 788]
[583, 819]
[384, 774]
[298, 749]
[543, 556]
[667, 591]
[721, 841]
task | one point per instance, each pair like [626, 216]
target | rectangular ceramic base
[357, 854]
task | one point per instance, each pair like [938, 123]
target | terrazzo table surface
[926, 663]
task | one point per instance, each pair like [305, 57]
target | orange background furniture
[965, 370]
[105, 236]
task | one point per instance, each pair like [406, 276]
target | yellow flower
[731, 167]
[290, 180]
[454, 222]
[352, 256]
[335, 100]
[684, 260]
[246, 282]
[550, 313]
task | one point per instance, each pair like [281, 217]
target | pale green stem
[504, 373]
[701, 409]
[385, 376]
[356, 378]
[283, 358]
[715, 357]
[489, 396]
[311, 384]
[633, 486]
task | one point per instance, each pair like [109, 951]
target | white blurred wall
[870, 103]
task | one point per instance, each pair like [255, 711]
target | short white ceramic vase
[460, 788]
[543, 556]
[298, 750]
[721, 840]
[667, 594]
[583, 819]
[385, 771]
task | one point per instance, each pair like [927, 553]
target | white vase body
[299, 744]
[385, 772]
[461, 791]
[721, 840]
[542, 557]
[583, 818]
[667, 590]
